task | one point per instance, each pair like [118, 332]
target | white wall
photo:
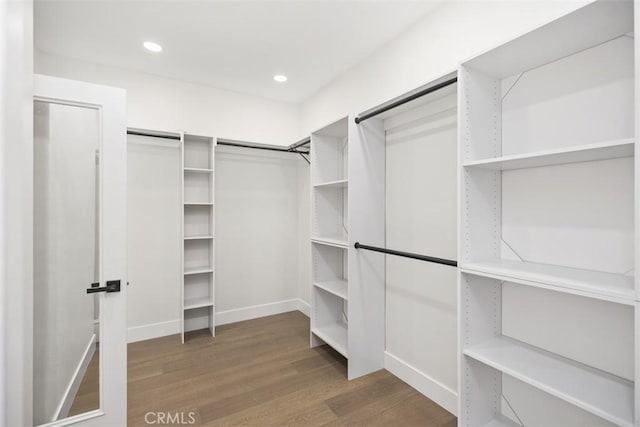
[433, 47]
[163, 104]
[261, 218]
[16, 212]
[153, 237]
[257, 232]
[421, 214]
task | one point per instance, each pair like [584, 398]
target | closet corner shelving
[548, 197]
[347, 295]
[198, 233]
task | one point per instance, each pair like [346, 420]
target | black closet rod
[290, 149]
[231, 143]
[159, 135]
[403, 101]
[408, 255]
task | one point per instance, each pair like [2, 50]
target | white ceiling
[232, 44]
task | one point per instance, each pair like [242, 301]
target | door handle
[112, 286]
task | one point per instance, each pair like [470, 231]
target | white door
[80, 329]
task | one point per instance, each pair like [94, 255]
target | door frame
[16, 212]
[112, 201]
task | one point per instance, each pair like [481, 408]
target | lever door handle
[112, 286]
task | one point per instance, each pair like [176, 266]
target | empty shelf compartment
[598, 392]
[335, 335]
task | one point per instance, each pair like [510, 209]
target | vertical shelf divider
[182, 217]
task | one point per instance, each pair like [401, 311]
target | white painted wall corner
[304, 307]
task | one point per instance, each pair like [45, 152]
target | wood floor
[263, 373]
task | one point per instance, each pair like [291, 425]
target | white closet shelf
[600, 393]
[331, 241]
[338, 288]
[342, 183]
[581, 153]
[198, 303]
[198, 170]
[198, 237]
[501, 421]
[589, 283]
[335, 335]
[198, 204]
[198, 270]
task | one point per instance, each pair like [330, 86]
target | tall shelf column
[198, 233]
[548, 299]
[347, 296]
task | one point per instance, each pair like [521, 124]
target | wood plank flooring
[263, 373]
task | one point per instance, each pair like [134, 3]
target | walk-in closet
[312, 213]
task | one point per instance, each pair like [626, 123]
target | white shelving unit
[198, 232]
[548, 299]
[347, 300]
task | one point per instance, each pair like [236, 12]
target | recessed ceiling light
[280, 78]
[153, 47]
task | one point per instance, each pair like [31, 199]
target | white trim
[171, 327]
[153, 330]
[422, 382]
[73, 386]
[256, 311]
[75, 419]
[304, 307]
[16, 214]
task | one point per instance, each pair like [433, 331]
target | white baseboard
[153, 330]
[74, 384]
[304, 307]
[422, 382]
[161, 329]
[256, 311]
